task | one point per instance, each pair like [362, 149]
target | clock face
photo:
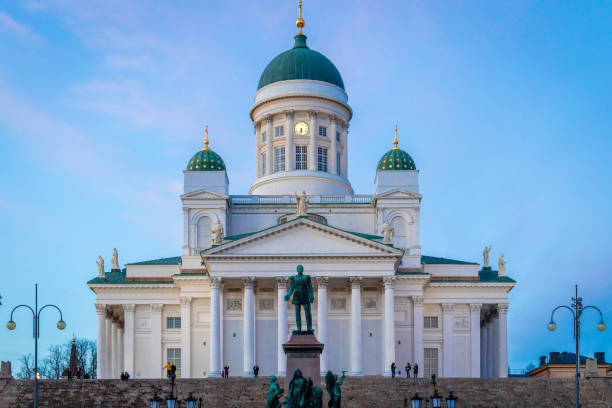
[301, 128]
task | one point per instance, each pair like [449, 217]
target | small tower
[206, 170]
[396, 169]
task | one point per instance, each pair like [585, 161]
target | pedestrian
[86, 376]
[168, 369]
[255, 370]
[415, 370]
[222, 373]
[408, 368]
[226, 369]
[79, 373]
[393, 370]
[69, 372]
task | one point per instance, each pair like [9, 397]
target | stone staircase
[358, 392]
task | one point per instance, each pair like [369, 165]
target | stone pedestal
[303, 351]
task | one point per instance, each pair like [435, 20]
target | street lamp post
[577, 309]
[61, 324]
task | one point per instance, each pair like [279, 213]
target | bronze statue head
[300, 269]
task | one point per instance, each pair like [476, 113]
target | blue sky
[504, 106]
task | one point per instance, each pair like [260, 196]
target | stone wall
[363, 392]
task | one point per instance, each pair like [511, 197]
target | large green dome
[396, 159]
[205, 160]
[300, 62]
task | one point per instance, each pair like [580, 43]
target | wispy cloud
[11, 26]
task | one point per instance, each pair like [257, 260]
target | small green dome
[300, 62]
[205, 160]
[396, 159]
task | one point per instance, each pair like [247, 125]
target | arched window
[204, 232]
[400, 232]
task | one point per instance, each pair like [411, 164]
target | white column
[282, 325]
[417, 309]
[447, 338]
[120, 347]
[484, 353]
[256, 131]
[345, 155]
[321, 334]
[334, 147]
[289, 148]
[156, 341]
[490, 348]
[114, 350]
[215, 327]
[185, 337]
[314, 133]
[248, 327]
[356, 349]
[389, 323]
[101, 346]
[475, 339]
[128, 341]
[108, 355]
[269, 149]
[495, 348]
[502, 340]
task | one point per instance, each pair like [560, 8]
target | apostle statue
[302, 202]
[115, 259]
[301, 288]
[501, 266]
[485, 255]
[100, 263]
[217, 233]
[387, 232]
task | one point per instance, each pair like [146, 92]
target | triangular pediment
[204, 194]
[399, 193]
[303, 237]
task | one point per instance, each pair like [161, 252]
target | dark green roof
[175, 260]
[300, 62]
[396, 159]
[206, 160]
[436, 260]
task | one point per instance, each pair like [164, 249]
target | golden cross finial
[300, 23]
[206, 138]
[395, 142]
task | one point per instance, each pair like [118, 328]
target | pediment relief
[204, 194]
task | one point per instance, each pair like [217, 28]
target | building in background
[563, 365]
[378, 299]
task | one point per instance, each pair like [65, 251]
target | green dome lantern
[300, 62]
[206, 159]
[396, 159]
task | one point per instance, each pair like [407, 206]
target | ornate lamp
[451, 400]
[11, 325]
[190, 401]
[416, 400]
[61, 324]
[436, 400]
[155, 401]
[171, 401]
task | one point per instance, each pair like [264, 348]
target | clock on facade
[301, 128]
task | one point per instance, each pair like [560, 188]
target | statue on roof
[302, 202]
[115, 259]
[387, 232]
[301, 288]
[217, 233]
[485, 255]
[501, 266]
[100, 263]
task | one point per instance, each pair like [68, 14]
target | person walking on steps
[415, 370]
[393, 370]
[408, 368]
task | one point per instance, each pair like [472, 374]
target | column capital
[502, 308]
[109, 313]
[313, 114]
[156, 307]
[282, 281]
[417, 300]
[288, 114]
[215, 282]
[355, 281]
[129, 307]
[448, 307]
[475, 307]
[269, 118]
[389, 282]
[322, 281]
[185, 300]
[248, 282]
[100, 308]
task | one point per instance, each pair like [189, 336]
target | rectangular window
[322, 159]
[431, 362]
[278, 131]
[338, 136]
[279, 159]
[263, 164]
[263, 137]
[301, 157]
[173, 323]
[430, 322]
[338, 164]
[322, 131]
[174, 357]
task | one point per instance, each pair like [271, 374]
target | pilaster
[447, 328]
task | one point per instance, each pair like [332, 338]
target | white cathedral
[378, 300]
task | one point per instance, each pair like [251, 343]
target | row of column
[494, 339]
[110, 344]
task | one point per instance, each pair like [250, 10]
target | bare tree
[26, 371]
[55, 362]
